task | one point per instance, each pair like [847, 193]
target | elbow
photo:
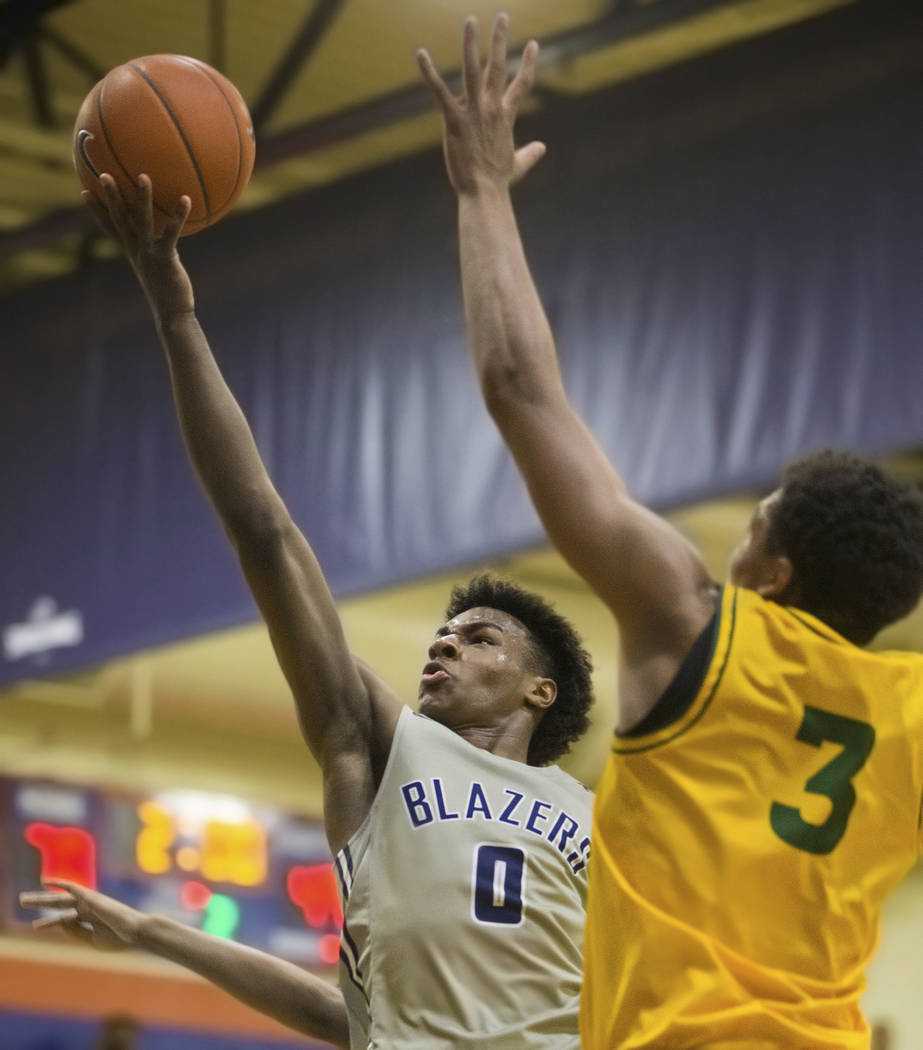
[257, 526]
[509, 390]
[504, 388]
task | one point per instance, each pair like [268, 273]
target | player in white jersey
[476, 927]
[506, 689]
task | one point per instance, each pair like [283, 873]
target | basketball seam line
[150, 83]
[240, 149]
[102, 127]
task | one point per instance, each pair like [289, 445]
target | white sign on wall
[45, 628]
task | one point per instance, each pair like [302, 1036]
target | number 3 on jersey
[497, 886]
[833, 781]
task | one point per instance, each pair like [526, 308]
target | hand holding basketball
[176, 119]
[129, 218]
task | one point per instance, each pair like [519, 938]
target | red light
[328, 948]
[195, 896]
[67, 853]
[314, 890]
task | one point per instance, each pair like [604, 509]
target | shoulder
[559, 786]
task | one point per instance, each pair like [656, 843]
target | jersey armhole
[679, 695]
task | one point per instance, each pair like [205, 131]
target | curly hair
[559, 655]
[854, 536]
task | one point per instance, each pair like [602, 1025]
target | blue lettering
[418, 809]
[582, 857]
[491, 861]
[516, 798]
[536, 815]
[567, 833]
[440, 801]
[477, 803]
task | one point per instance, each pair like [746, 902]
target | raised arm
[347, 729]
[651, 578]
[285, 992]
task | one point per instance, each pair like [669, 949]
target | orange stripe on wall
[176, 1002]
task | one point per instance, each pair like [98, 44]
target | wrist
[170, 316]
[484, 187]
[147, 931]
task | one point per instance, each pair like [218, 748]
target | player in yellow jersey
[763, 794]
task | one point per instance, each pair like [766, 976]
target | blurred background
[726, 232]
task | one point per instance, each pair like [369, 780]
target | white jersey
[464, 897]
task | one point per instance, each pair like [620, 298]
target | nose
[444, 646]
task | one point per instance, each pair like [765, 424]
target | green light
[222, 914]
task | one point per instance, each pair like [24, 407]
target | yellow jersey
[742, 852]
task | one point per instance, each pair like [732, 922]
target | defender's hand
[85, 914]
[154, 259]
[478, 127]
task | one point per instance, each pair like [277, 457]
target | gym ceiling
[332, 85]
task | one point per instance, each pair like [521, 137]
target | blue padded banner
[724, 299]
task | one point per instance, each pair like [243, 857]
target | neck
[507, 741]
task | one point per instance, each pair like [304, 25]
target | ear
[542, 693]
[777, 578]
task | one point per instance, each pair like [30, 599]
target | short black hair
[854, 536]
[559, 653]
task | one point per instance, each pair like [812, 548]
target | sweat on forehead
[473, 619]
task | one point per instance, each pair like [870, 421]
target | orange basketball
[176, 119]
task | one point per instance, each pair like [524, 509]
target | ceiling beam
[78, 58]
[37, 76]
[217, 35]
[302, 47]
[19, 21]
[894, 50]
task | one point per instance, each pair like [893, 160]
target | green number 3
[834, 781]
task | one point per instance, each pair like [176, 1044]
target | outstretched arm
[348, 731]
[285, 992]
[651, 578]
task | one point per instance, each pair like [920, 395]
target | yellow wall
[895, 985]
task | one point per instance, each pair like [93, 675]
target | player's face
[751, 566]
[480, 669]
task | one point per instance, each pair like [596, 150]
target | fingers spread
[73, 888]
[495, 78]
[526, 158]
[437, 86]
[522, 83]
[143, 207]
[65, 919]
[176, 222]
[115, 205]
[38, 899]
[471, 61]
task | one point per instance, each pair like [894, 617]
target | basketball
[175, 119]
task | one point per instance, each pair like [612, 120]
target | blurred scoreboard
[232, 868]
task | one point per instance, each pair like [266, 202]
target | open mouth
[432, 673]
